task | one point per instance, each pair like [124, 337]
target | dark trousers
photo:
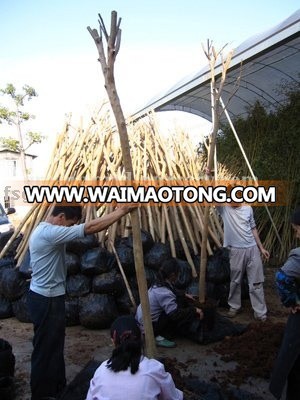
[287, 364]
[47, 360]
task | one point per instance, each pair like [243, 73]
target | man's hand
[189, 296]
[200, 313]
[265, 254]
[295, 309]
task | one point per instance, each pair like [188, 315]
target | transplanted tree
[16, 117]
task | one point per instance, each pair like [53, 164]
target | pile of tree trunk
[93, 153]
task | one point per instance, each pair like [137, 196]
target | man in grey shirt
[242, 239]
[46, 298]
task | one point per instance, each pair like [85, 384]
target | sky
[45, 44]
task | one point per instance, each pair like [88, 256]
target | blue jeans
[47, 361]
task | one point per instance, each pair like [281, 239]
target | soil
[237, 362]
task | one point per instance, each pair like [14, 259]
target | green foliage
[271, 141]
[17, 117]
[10, 144]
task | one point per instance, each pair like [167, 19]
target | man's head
[169, 270]
[66, 215]
[295, 220]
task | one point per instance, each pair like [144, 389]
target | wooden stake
[107, 62]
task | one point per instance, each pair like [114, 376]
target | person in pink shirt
[128, 374]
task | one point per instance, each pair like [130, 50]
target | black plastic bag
[147, 240]
[80, 246]
[78, 285]
[12, 284]
[20, 309]
[7, 359]
[72, 311]
[72, 261]
[158, 253]
[109, 282]
[7, 262]
[180, 250]
[218, 266]
[123, 302]
[78, 388]
[95, 261]
[25, 267]
[218, 292]
[6, 310]
[126, 257]
[97, 311]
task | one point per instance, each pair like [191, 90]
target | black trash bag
[72, 311]
[123, 302]
[158, 253]
[78, 285]
[147, 240]
[72, 262]
[223, 327]
[6, 310]
[213, 391]
[180, 250]
[126, 257]
[205, 390]
[80, 246]
[218, 266]
[185, 274]
[218, 292]
[7, 388]
[95, 261]
[240, 394]
[78, 388]
[109, 282]
[193, 287]
[20, 309]
[25, 267]
[7, 359]
[97, 311]
[12, 284]
[7, 262]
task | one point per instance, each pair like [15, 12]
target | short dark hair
[168, 268]
[71, 212]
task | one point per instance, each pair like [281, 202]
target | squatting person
[128, 373]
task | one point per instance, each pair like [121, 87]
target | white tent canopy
[265, 62]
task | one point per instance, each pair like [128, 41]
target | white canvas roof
[269, 60]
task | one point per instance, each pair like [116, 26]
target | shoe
[263, 318]
[233, 312]
[163, 342]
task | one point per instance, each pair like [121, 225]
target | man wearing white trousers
[246, 250]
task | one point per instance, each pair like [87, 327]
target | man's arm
[99, 224]
[263, 251]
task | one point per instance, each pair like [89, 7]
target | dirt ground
[243, 361]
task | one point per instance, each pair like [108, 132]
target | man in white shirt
[246, 249]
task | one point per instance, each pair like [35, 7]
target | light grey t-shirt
[47, 257]
[161, 299]
[238, 224]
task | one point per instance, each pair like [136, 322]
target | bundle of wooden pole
[93, 153]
